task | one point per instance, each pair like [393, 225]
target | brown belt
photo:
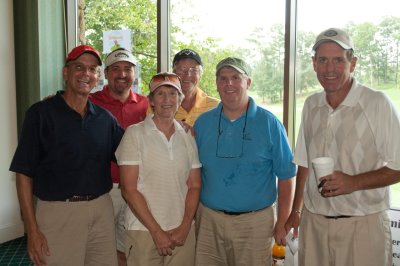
[81, 198]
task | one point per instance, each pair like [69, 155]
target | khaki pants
[234, 239]
[354, 241]
[141, 251]
[78, 233]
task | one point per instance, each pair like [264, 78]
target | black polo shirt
[66, 154]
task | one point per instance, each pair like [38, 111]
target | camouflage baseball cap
[241, 66]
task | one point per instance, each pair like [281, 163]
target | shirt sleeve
[387, 130]
[300, 152]
[127, 152]
[27, 154]
[194, 152]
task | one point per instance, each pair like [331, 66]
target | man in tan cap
[129, 108]
[342, 216]
[63, 158]
[244, 153]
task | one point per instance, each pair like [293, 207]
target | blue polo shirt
[66, 154]
[242, 159]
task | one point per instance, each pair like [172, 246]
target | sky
[233, 20]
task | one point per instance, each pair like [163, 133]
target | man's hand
[280, 233]
[38, 248]
[293, 222]
[163, 243]
[179, 235]
[338, 183]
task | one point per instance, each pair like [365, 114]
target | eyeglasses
[164, 77]
[82, 68]
[229, 148]
[183, 71]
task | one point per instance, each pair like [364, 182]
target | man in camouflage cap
[244, 153]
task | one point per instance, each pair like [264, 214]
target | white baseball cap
[118, 55]
[334, 35]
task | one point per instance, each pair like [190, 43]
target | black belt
[81, 198]
[337, 217]
[234, 213]
[239, 213]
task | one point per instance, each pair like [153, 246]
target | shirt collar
[149, 123]
[200, 96]
[133, 97]
[351, 98]
[90, 109]
[353, 95]
[251, 110]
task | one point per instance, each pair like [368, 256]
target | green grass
[277, 109]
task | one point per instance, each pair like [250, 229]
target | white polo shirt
[164, 168]
[361, 135]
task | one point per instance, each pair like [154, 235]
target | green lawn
[277, 109]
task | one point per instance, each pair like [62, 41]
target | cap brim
[167, 83]
[188, 56]
[121, 60]
[86, 52]
[341, 44]
[241, 71]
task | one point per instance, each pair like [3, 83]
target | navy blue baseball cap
[187, 53]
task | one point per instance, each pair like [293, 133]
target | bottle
[292, 242]
[278, 255]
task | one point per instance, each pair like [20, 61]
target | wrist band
[298, 211]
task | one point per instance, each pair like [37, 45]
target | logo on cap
[187, 53]
[121, 55]
[330, 33]
[118, 55]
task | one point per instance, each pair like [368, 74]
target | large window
[255, 31]
[139, 17]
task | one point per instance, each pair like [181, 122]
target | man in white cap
[342, 216]
[129, 108]
[188, 66]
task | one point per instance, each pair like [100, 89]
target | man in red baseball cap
[63, 158]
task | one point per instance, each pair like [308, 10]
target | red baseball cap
[80, 50]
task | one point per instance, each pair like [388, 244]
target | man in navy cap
[188, 66]
[63, 158]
